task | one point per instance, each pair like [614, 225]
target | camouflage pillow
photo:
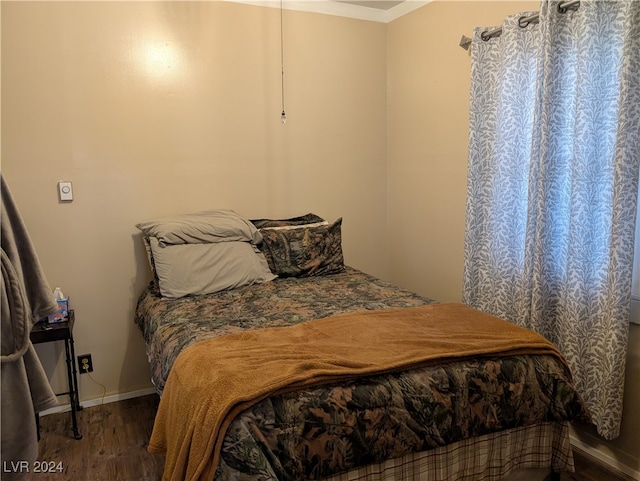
[304, 251]
[293, 221]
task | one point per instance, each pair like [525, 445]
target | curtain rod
[525, 21]
[465, 42]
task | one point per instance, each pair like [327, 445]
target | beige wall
[427, 133]
[156, 108]
[428, 89]
[142, 136]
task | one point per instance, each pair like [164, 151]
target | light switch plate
[65, 191]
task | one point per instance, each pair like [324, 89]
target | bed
[479, 416]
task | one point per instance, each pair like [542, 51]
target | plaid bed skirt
[491, 457]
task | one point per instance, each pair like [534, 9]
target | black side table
[44, 331]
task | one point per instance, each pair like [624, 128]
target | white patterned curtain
[554, 154]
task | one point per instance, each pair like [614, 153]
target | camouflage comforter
[321, 431]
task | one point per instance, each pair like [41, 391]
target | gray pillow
[194, 269]
[220, 225]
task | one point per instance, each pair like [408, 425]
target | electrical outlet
[85, 364]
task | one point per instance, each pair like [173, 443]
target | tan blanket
[213, 381]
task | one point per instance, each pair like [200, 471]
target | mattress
[343, 427]
[171, 325]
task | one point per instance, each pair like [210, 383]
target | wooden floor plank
[114, 446]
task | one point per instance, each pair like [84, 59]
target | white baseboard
[605, 458]
[100, 400]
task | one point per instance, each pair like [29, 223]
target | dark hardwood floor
[590, 469]
[114, 446]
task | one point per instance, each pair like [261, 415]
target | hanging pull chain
[283, 116]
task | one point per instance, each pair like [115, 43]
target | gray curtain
[554, 154]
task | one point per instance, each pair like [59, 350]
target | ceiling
[380, 4]
[375, 10]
